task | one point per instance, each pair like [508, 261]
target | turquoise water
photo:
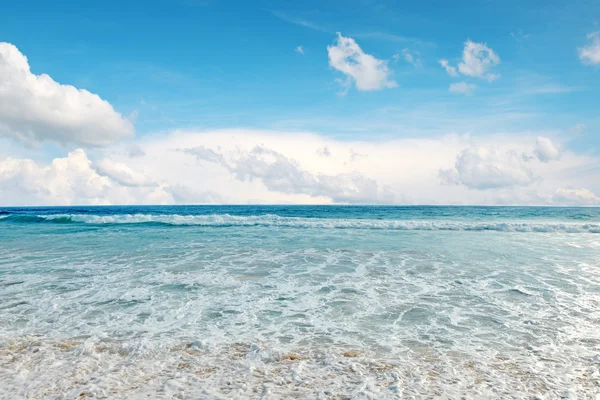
[299, 302]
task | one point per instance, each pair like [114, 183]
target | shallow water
[299, 302]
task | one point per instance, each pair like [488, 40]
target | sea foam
[270, 220]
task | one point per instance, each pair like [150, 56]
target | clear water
[299, 302]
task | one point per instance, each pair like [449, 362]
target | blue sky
[222, 63]
[197, 65]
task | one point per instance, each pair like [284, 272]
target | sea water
[333, 302]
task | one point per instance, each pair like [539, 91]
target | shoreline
[93, 368]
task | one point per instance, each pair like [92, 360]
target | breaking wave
[271, 220]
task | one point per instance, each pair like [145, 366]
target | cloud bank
[249, 166]
[284, 175]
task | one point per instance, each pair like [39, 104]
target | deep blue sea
[306, 302]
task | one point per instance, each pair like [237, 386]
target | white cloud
[285, 175]
[35, 108]
[576, 197]
[449, 69]
[545, 150]
[121, 173]
[412, 58]
[477, 60]
[67, 181]
[462, 87]
[367, 72]
[590, 54]
[299, 50]
[488, 168]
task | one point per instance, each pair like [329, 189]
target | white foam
[270, 220]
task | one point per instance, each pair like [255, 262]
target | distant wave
[270, 220]
[55, 219]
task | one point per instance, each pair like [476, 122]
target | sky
[312, 102]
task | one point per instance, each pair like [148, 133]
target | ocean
[299, 302]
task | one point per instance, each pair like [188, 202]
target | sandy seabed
[78, 369]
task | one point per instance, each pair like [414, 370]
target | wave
[270, 220]
[55, 219]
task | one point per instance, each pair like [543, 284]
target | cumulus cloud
[477, 60]
[282, 174]
[576, 197]
[69, 180]
[462, 87]
[365, 71]
[35, 108]
[545, 150]
[590, 54]
[449, 69]
[488, 168]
